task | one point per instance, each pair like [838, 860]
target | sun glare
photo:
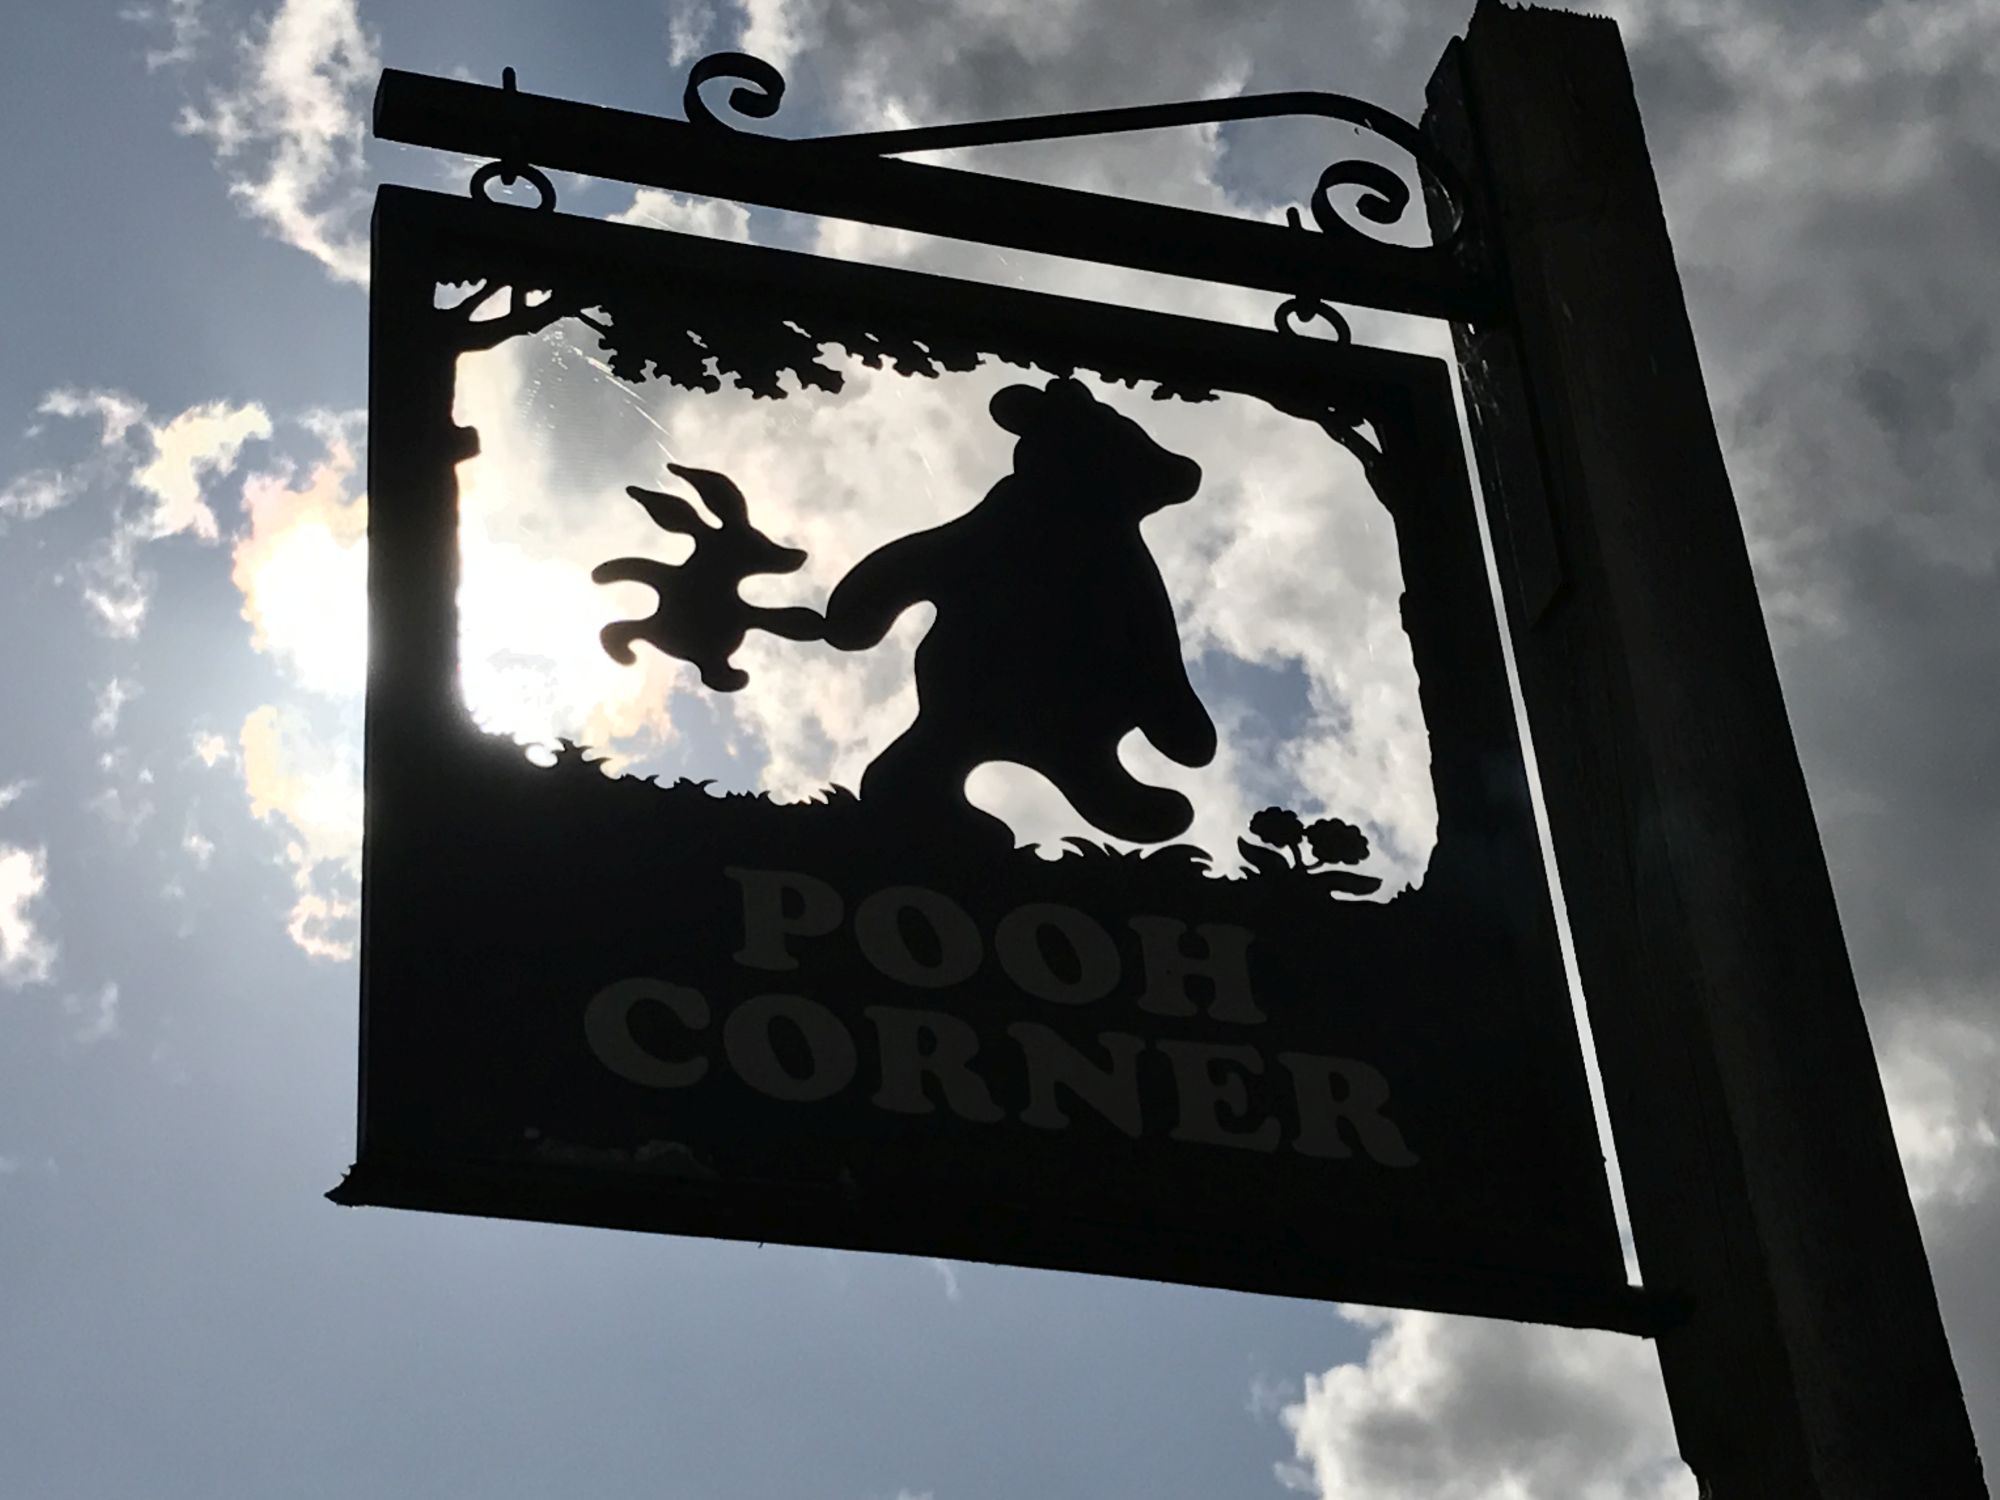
[307, 593]
[531, 666]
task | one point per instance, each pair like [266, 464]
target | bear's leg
[1099, 787]
[721, 676]
[916, 787]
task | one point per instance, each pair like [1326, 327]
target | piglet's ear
[1014, 408]
[669, 512]
[718, 492]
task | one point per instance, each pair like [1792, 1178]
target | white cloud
[111, 701]
[35, 493]
[125, 811]
[116, 412]
[125, 800]
[948, 1276]
[289, 126]
[1475, 1409]
[117, 592]
[99, 1014]
[167, 462]
[179, 24]
[11, 792]
[690, 23]
[27, 953]
[716, 218]
[202, 440]
[197, 845]
[1268, 1398]
[302, 568]
[309, 786]
[1942, 1077]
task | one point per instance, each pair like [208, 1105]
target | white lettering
[753, 1052]
[1169, 966]
[765, 922]
[1363, 1092]
[1018, 941]
[1204, 1096]
[1113, 1092]
[607, 1026]
[878, 928]
[925, 1043]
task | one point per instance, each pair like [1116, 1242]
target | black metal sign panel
[1236, 1045]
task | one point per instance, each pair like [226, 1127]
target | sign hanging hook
[513, 167]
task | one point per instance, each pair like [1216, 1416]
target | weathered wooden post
[1758, 1161]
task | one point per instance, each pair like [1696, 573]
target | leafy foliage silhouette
[1314, 851]
[697, 344]
[837, 814]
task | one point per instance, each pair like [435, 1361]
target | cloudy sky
[181, 565]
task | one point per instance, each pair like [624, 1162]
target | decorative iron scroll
[708, 154]
[759, 91]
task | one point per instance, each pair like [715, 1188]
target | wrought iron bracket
[1386, 196]
[860, 177]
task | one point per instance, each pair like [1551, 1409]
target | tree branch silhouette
[521, 318]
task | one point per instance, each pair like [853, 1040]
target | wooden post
[1759, 1166]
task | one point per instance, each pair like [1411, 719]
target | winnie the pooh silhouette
[1054, 635]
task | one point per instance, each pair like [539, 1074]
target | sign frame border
[412, 589]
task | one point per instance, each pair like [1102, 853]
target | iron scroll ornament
[1385, 197]
[861, 179]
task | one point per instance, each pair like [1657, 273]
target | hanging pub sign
[862, 758]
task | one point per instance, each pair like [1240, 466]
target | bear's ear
[1013, 407]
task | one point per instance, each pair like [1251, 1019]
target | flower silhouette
[1279, 828]
[1316, 851]
[1333, 842]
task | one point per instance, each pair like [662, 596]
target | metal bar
[1088, 122]
[483, 121]
[760, 89]
[802, 1215]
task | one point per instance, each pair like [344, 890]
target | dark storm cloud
[1844, 298]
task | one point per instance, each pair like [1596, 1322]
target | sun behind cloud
[303, 569]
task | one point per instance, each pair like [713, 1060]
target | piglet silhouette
[701, 618]
[1054, 636]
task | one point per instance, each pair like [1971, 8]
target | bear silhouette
[1054, 635]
